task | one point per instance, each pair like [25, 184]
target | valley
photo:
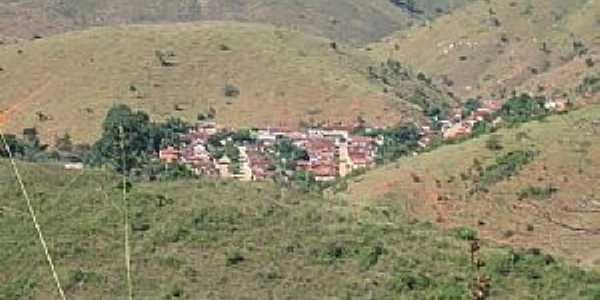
[385, 149]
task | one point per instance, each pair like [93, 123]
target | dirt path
[18, 106]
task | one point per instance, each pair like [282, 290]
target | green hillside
[252, 75]
[548, 201]
[225, 240]
[490, 48]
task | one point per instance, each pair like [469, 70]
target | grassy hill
[549, 202]
[226, 240]
[489, 48]
[253, 75]
[351, 21]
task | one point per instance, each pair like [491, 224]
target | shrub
[17, 289]
[166, 58]
[494, 143]
[15, 145]
[64, 143]
[231, 90]
[224, 47]
[410, 281]
[589, 62]
[233, 257]
[464, 233]
[334, 251]
[506, 166]
[538, 193]
[590, 84]
[369, 256]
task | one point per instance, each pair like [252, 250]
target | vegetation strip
[33, 217]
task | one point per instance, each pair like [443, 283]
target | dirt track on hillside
[17, 106]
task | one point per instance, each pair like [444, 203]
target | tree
[232, 151]
[243, 135]
[398, 142]
[64, 143]
[470, 106]
[287, 154]
[32, 146]
[126, 138]
[523, 108]
[168, 133]
[15, 145]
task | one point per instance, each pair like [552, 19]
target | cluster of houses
[330, 153]
[458, 126]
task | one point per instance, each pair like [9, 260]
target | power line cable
[33, 216]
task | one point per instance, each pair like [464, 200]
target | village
[326, 153]
[460, 126]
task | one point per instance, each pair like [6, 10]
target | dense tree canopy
[126, 138]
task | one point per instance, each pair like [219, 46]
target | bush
[369, 256]
[590, 84]
[589, 62]
[410, 281]
[231, 90]
[464, 233]
[506, 166]
[333, 252]
[233, 257]
[538, 193]
[15, 145]
[494, 143]
[165, 57]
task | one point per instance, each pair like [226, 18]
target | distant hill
[489, 48]
[350, 21]
[550, 203]
[252, 75]
[196, 239]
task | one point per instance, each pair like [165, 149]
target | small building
[223, 165]
[493, 105]
[458, 130]
[74, 166]
[324, 172]
[558, 104]
[207, 128]
[481, 113]
[169, 155]
[424, 142]
[337, 135]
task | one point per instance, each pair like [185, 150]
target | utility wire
[33, 216]
[126, 213]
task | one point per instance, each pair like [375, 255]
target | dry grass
[351, 21]
[503, 55]
[284, 77]
[569, 152]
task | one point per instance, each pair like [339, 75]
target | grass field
[561, 182]
[66, 83]
[226, 240]
[490, 46]
[349, 21]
